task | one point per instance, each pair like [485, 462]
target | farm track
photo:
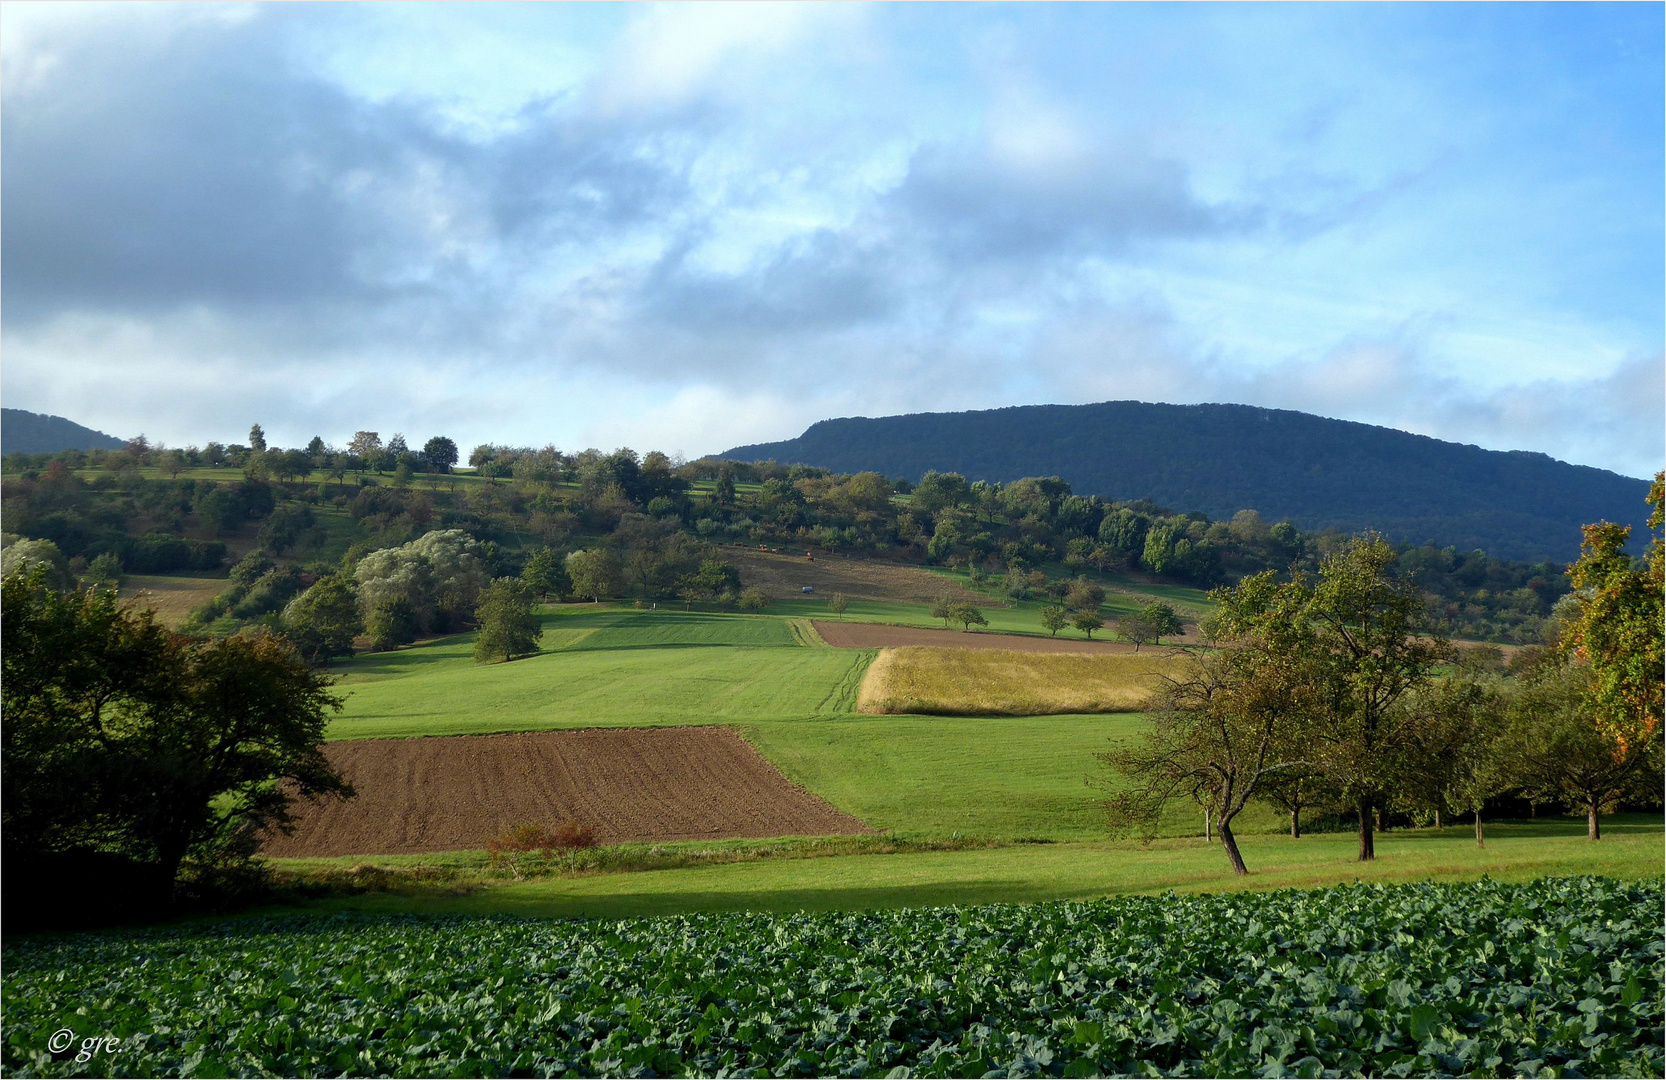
[845, 693]
[652, 784]
[851, 635]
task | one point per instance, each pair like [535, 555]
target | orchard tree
[1054, 618]
[1232, 724]
[545, 574]
[594, 573]
[1162, 620]
[1136, 629]
[838, 604]
[440, 453]
[1370, 647]
[967, 616]
[1567, 756]
[1087, 622]
[943, 608]
[508, 626]
[1618, 632]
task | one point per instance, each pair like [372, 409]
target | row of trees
[1328, 691]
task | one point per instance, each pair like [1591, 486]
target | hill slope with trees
[1316, 472]
[24, 432]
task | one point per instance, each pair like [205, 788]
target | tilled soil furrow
[650, 784]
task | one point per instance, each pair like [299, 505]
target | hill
[23, 432]
[1218, 459]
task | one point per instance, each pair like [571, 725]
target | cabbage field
[1557, 977]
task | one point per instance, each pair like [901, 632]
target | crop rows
[1555, 977]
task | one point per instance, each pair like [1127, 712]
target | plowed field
[449, 794]
[784, 576]
[852, 635]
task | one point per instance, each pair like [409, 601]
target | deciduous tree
[1233, 723]
[545, 574]
[1372, 646]
[594, 573]
[1620, 630]
[324, 620]
[508, 626]
[967, 616]
[124, 739]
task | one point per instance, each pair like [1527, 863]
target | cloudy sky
[690, 227]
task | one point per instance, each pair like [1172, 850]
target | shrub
[518, 847]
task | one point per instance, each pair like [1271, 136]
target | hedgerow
[1559, 977]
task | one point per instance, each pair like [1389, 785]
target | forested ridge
[627, 525]
[24, 432]
[1317, 472]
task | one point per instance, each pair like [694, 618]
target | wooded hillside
[1317, 472]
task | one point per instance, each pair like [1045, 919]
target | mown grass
[1004, 682]
[1630, 850]
[601, 668]
[1024, 777]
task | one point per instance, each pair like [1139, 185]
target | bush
[515, 849]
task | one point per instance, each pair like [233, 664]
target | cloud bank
[691, 227]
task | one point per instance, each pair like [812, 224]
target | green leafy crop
[1556, 977]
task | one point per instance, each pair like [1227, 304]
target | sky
[690, 227]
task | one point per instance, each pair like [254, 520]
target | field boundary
[804, 633]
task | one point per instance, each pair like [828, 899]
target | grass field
[1630, 850]
[1001, 682]
[171, 596]
[602, 668]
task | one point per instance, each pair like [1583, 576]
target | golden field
[1001, 682]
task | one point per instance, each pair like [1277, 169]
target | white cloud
[671, 53]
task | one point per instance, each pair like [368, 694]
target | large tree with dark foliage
[130, 749]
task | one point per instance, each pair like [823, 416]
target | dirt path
[850, 635]
[452, 793]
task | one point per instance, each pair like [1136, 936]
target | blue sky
[691, 227]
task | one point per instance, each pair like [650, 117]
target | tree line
[1330, 693]
[542, 497]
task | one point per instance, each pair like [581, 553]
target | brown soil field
[457, 792]
[172, 598]
[783, 576]
[1005, 682]
[850, 635]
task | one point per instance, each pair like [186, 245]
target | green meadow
[1630, 850]
[605, 667]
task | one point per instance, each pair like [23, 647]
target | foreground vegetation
[882, 871]
[1549, 978]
